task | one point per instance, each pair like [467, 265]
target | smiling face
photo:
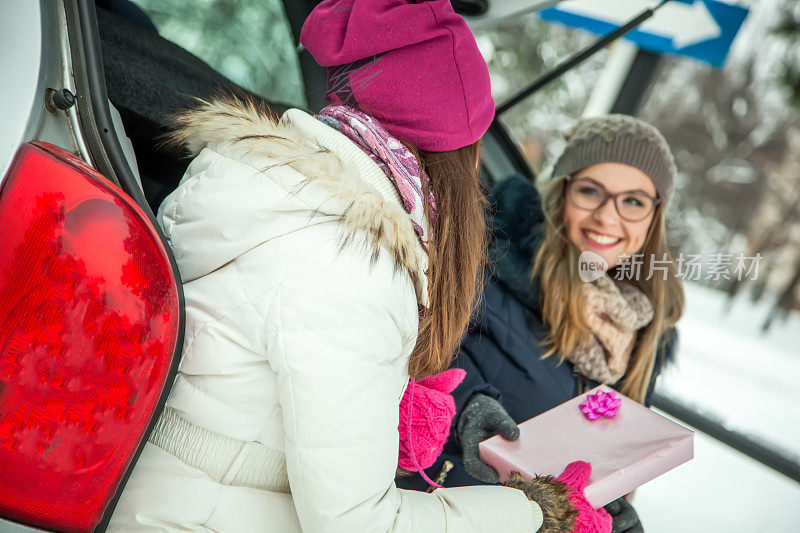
[603, 230]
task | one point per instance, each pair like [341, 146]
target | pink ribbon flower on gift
[600, 404]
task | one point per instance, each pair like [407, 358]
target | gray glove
[624, 517]
[481, 418]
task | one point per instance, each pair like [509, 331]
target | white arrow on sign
[683, 23]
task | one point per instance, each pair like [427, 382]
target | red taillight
[89, 318]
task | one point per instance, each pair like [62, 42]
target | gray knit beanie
[619, 139]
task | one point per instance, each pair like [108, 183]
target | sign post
[700, 29]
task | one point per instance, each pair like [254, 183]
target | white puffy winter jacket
[302, 275]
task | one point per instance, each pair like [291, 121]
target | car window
[733, 228]
[733, 223]
[248, 41]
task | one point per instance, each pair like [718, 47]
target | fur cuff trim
[553, 498]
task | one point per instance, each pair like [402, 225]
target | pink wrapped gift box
[625, 451]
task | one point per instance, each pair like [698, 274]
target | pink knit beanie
[414, 66]
[589, 520]
[426, 413]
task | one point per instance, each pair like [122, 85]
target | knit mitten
[426, 413]
[553, 497]
[481, 418]
[589, 519]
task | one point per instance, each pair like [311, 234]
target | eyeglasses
[633, 206]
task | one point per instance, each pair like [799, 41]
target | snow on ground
[726, 366]
[729, 370]
[719, 491]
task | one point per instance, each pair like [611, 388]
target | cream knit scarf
[614, 312]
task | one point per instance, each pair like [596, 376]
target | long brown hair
[556, 266]
[456, 256]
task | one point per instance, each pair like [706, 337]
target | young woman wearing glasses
[542, 335]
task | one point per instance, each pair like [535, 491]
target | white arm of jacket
[335, 341]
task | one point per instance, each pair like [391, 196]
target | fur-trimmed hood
[305, 173]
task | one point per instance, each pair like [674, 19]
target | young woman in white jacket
[326, 259]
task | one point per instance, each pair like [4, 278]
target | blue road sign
[700, 29]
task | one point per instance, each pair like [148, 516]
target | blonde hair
[556, 267]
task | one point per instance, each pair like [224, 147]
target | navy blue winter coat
[502, 350]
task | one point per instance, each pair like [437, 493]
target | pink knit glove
[589, 519]
[426, 412]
